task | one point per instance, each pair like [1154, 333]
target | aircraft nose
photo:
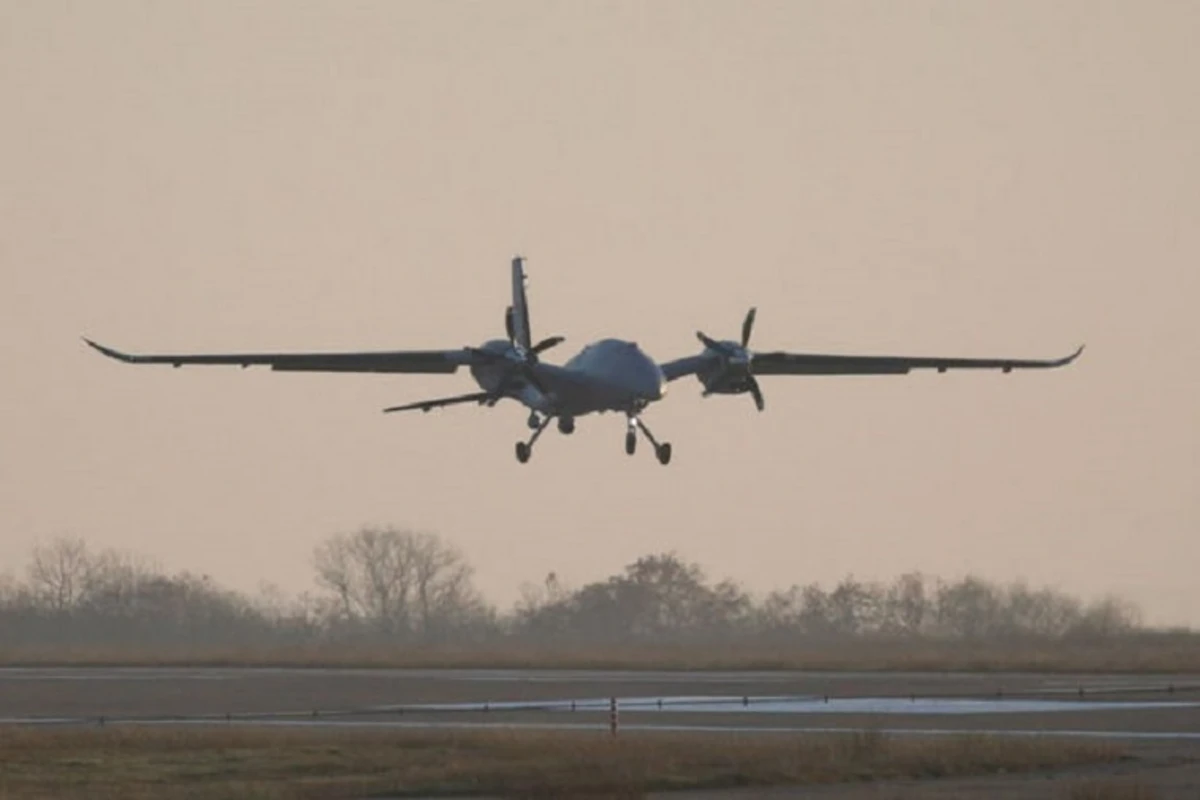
[649, 382]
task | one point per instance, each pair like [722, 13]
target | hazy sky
[917, 178]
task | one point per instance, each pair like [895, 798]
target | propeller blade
[757, 394]
[748, 326]
[713, 343]
[547, 343]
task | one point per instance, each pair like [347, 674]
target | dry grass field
[276, 763]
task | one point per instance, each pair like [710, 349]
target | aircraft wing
[415, 361]
[781, 363]
[684, 366]
[426, 405]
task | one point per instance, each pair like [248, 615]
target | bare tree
[59, 572]
[907, 604]
[971, 608]
[397, 581]
[409, 586]
[544, 611]
[658, 596]
[855, 607]
[116, 583]
[370, 574]
[1110, 616]
[1043, 612]
[815, 616]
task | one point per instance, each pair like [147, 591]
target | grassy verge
[292, 763]
[1133, 654]
[1112, 789]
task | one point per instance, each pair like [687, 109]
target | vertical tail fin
[520, 307]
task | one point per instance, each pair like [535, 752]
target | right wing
[413, 361]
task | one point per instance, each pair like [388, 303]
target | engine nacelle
[729, 365]
[725, 375]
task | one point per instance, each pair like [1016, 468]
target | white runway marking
[891, 705]
[690, 704]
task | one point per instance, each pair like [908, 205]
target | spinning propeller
[736, 371]
[520, 355]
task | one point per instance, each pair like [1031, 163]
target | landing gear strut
[525, 449]
[661, 451]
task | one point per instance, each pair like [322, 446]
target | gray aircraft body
[606, 375]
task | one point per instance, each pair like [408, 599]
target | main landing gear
[661, 451]
[525, 449]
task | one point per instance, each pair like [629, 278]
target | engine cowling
[731, 370]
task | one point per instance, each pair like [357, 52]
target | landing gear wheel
[663, 451]
[630, 442]
[533, 422]
[522, 452]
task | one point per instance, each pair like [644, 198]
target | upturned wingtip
[1065, 361]
[108, 351]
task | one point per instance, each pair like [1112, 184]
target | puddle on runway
[803, 705]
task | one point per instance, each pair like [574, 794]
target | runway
[1141, 708]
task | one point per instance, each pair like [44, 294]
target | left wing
[780, 363]
[413, 361]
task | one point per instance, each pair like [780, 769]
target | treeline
[388, 587]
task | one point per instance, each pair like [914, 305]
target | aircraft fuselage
[629, 378]
[606, 375]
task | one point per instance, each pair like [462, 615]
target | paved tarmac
[1142, 707]
[1155, 718]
